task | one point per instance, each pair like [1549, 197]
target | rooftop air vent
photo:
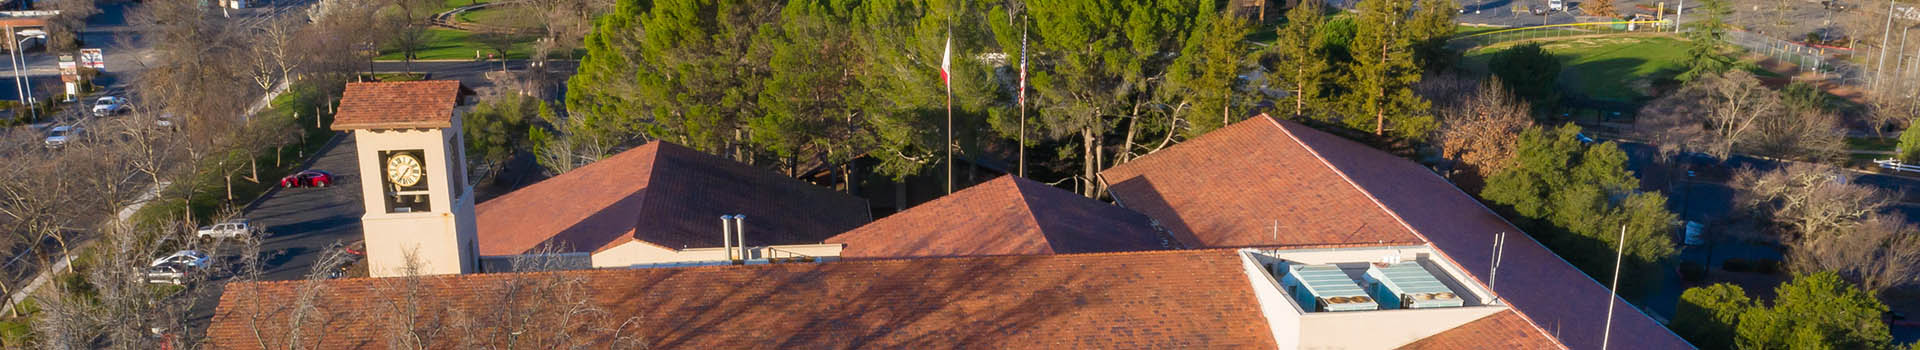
[1320, 288]
[1409, 285]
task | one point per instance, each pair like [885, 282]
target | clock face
[404, 170]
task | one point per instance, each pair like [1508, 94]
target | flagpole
[1023, 95]
[946, 77]
[949, 138]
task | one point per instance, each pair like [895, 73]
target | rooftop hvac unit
[1319, 288]
[1408, 285]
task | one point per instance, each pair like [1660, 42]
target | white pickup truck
[229, 229]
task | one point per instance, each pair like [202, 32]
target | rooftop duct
[1409, 285]
[1319, 288]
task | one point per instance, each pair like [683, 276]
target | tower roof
[397, 105]
[1006, 216]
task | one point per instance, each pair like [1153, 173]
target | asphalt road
[299, 223]
[472, 74]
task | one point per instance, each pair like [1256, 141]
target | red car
[309, 178]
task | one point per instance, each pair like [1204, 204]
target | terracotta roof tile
[397, 105]
[1251, 185]
[1170, 299]
[1005, 216]
[1546, 291]
[666, 195]
[1544, 288]
[1502, 330]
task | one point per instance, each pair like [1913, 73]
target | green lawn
[1872, 143]
[498, 15]
[1462, 29]
[1615, 68]
[445, 43]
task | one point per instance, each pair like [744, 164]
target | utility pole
[1884, 35]
[1677, 11]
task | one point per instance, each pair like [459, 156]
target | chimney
[740, 228]
[726, 235]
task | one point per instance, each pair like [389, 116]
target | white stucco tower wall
[426, 228]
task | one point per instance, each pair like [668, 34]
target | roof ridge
[640, 206]
[1348, 179]
[1027, 208]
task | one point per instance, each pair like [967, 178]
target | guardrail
[1896, 165]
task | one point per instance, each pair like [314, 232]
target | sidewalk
[41, 279]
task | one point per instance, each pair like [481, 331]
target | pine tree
[1204, 79]
[1302, 55]
[1381, 77]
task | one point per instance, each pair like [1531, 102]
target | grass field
[445, 44]
[494, 15]
[1614, 68]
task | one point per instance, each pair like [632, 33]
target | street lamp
[21, 82]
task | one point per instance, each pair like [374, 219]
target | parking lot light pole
[20, 60]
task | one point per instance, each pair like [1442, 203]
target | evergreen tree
[1705, 40]
[1204, 80]
[1529, 72]
[1575, 198]
[808, 87]
[1302, 62]
[1706, 315]
[1909, 147]
[1817, 311]
[1432, 23]
[1380, 80]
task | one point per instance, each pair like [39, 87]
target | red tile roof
[1502, 330]
[1546, 290]
[666, 195]
[1166, 299]
[1252, 185]
[1006, 216]
[397, 105]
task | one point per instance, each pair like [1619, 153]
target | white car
[229, 229]
[109, 105]
[189, 258]
[59, 135]
[1557, 5]
[170, 273]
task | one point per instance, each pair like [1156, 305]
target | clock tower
[419, 207]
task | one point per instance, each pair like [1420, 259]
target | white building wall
[1283, 317]
[642, 253]
[440, 241]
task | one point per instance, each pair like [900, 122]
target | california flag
[946, 63]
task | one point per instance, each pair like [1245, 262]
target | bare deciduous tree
[1481, 131]
[1880, 252]
[1831, 224]
[1808, 198]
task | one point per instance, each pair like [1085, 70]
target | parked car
[1557, 5]
[59, 135]
[170, 273]
[164, 121]
[308, 178]
[188, 258]
[229, 229]
[109, 105]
